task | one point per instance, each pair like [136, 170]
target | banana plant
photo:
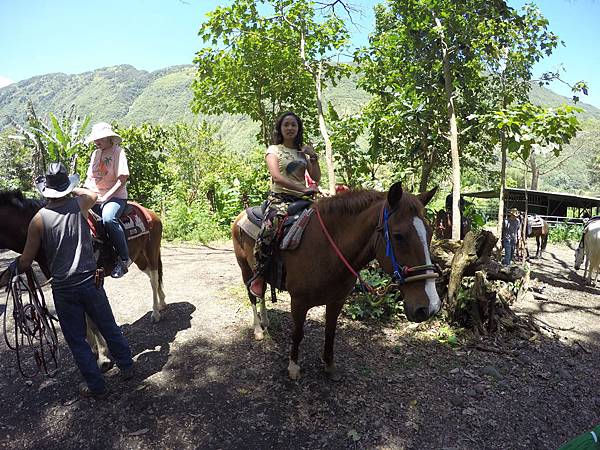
[59, 140]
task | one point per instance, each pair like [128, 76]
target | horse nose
[421, 314]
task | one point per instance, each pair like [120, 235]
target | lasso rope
[34, 330]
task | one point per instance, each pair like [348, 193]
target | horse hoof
[259, 335]
[333, 373]
[163, 307]
[155, 317]
[293, 371]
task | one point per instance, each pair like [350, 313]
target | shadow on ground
[401, 389]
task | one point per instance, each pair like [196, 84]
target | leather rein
[34, 330]
[401, 274]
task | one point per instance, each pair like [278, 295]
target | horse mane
[352, 202]
[16, 199]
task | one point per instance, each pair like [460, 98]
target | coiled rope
[34, 331]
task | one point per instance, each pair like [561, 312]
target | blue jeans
[71, 305]
[111, 211]
[509, 251]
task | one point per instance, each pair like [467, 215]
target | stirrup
[256, 286]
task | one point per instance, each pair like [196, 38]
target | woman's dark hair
[278, 135]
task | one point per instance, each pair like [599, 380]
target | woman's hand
[309, 150]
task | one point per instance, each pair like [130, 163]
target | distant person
[288, 159]
[62, 230]
[511, 233]
[107, 176]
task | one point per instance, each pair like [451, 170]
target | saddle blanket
[535, 221]
[293, 236]
[135, 222]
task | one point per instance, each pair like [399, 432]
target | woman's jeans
[71, 305]
[111, 211]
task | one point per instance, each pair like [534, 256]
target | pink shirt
[104, 170]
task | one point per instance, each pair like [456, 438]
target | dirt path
[203, 382]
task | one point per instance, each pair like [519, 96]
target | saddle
[288, 237]
[291, 231]
[535, 221]
[135, 221]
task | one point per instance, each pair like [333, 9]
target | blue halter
[389, 250]
[402, 274]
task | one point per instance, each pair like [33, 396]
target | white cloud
[4, 81]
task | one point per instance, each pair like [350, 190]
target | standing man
[511, 235]
[62, 230]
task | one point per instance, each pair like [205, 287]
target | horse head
[404, 251]
[579, 254]
[17, 211]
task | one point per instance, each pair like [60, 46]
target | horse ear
[394, 194]
[425, 197]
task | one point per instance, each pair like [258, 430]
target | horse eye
[398, 236]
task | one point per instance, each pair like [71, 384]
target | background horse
[538, 227]
[590, 251]
[358, 223]
[443, 225]
[17, 211]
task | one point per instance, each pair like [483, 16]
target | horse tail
[160, 270]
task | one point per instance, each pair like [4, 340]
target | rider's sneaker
[119, 270]
[257, 287]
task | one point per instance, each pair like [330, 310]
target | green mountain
[130, 96]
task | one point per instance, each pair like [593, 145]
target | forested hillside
[130, 96]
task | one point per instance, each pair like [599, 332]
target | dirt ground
[203, 382]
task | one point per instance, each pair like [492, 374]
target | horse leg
[259, 333]
[98, 345]
[299, 311]
[538, 252]
[157, 302]
[332, 312]
[264, 318]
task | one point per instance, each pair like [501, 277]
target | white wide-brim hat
[102, 130]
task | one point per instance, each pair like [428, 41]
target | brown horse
[17, 211]
[443, 225]
[538, 227]
[364, 225]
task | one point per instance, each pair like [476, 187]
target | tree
[526, 129]
[265, 64]
[424, 64]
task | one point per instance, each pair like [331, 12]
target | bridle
[401, 274]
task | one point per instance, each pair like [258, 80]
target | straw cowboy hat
[102, 130]
[57, 182]
[514, 212]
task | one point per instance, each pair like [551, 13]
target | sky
[74, 36]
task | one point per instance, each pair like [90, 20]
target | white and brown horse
[17, 211]
[362, 226]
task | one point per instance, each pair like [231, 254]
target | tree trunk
[449, 88]
[535, 173]
[475, 250]
[502, 187]
[427, 166]
[325, 134]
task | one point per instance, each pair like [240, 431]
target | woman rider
[287, 160]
